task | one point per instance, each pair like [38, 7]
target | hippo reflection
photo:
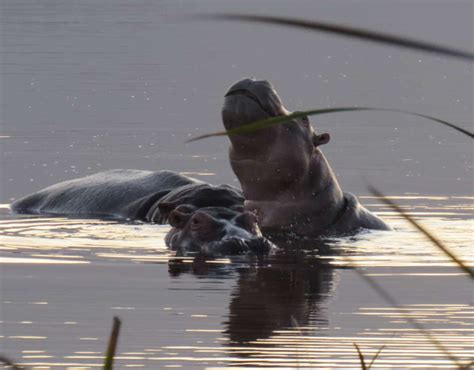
[204, 218]
[284, 175]
[273, 293]
[277, 297]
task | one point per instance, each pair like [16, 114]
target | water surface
[94, 85]
[63, 280]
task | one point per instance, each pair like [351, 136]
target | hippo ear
[321, 139]
[179, 219]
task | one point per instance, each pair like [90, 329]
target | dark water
[94, 85]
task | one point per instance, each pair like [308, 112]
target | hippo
[205, 218]
[289, 188]
[285, 178]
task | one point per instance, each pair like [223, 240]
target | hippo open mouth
[254, 97]
[249, 100]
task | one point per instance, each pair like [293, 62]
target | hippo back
[106, 194]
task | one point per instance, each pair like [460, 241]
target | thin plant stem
[112, 346]
[7, 362]
[386, 296]
[347, 31]
[267, 122]
[429, 235]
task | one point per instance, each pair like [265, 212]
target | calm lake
[93, 85]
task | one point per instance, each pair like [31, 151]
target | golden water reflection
[87, 240]
[293, 310]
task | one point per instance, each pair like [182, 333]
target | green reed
[9, 363]
[428, 234]
[363, 363]
[267, 122]
[347, 31]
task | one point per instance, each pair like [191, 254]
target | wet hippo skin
[285, 178]
[204, 218]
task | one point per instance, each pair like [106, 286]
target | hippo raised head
[284, 175]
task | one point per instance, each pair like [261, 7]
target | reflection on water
[63, 279]
[96, 85]
[89, 240]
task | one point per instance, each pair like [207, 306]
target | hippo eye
[305, 121]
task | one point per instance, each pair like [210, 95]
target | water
[63, 280]
[88, 86]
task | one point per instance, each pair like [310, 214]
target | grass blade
[386, 296]
[261, 124]
[375, 357]
[427, 233]
[352, 32]
[112, 346]
[361, 357]
[7, 362]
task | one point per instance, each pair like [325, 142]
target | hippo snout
[238, 246]
[250, 100]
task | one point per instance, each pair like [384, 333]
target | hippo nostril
[239, 246]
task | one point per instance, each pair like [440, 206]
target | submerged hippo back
[108, 193]
[204, 218]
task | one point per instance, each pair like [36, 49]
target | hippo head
[290, 147]
[281, 168]
[215, 231]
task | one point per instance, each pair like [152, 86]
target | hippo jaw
[215, 231]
